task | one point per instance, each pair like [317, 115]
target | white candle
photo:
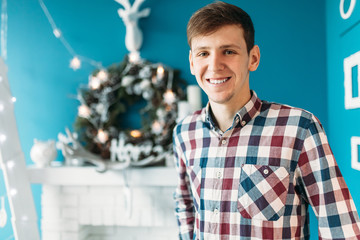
[184, 109]
[194, 97]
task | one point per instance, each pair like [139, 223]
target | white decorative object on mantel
[12, 161]
[43, 152]
[130, 15]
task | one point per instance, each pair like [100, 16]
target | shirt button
[218, 174]
[216, 211]
[223, 142]
[243, 123]
[266, 171]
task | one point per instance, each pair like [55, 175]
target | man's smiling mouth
[217, 80]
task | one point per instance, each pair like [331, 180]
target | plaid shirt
[257, 179]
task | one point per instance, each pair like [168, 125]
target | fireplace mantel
[83, 176]
[79, 203]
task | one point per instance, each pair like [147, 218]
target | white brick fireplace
[79, 203]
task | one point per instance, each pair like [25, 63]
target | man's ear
[191, 63]
[254, 58]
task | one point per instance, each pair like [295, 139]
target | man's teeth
[213, 81]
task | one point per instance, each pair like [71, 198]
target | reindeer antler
[136, 5]
[124, 3]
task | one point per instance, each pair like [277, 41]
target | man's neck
[224, 113]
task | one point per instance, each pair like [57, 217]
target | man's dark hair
[216, 15]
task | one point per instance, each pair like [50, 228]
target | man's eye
[229, 52]
[202, 54]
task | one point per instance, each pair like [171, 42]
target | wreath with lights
[110, 95]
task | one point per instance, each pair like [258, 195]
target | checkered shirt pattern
[257, 179]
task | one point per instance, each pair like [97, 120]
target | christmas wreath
[105, 103]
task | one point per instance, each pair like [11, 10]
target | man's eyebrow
[201, 48]
[230, 46]
[221, 47]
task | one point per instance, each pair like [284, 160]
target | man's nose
[215, 63]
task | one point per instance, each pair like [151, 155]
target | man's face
[221, 64]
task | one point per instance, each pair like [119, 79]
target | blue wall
[291, 36]
[342, 41]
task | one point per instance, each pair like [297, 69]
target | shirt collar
[249, 111]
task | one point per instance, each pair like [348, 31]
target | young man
[249, 169]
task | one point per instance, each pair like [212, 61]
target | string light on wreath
[169, 97]
[135, 134]
[84, 111]
[102, 136]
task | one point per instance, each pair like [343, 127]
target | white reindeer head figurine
[130, 15]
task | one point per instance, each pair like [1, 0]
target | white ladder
[12, 162]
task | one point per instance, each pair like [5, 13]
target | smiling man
[248, 168]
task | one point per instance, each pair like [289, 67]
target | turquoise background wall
[291, 36]
[343, 41]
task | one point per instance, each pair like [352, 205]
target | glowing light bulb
[13, 99]
[134, 57]
[169, 97]
[135, 133]
[10, 164]
[1, 79]
[102, 136]
[13, 192]
[24, 218]
[75, 63]
[160, 72]
[94, 83]
[156, 127]
[2, 138]
[84, 111]
[57, 32]
[102, 75]
[2, 107]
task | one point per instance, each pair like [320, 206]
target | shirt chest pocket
[262, 192]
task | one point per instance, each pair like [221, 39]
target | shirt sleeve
[325, 188]
[184, 209]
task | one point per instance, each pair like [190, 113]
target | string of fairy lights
[77, 59]
[8, 99]
[6, 104]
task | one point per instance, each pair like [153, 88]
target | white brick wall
[101, 212]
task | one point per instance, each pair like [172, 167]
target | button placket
[218, 174]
